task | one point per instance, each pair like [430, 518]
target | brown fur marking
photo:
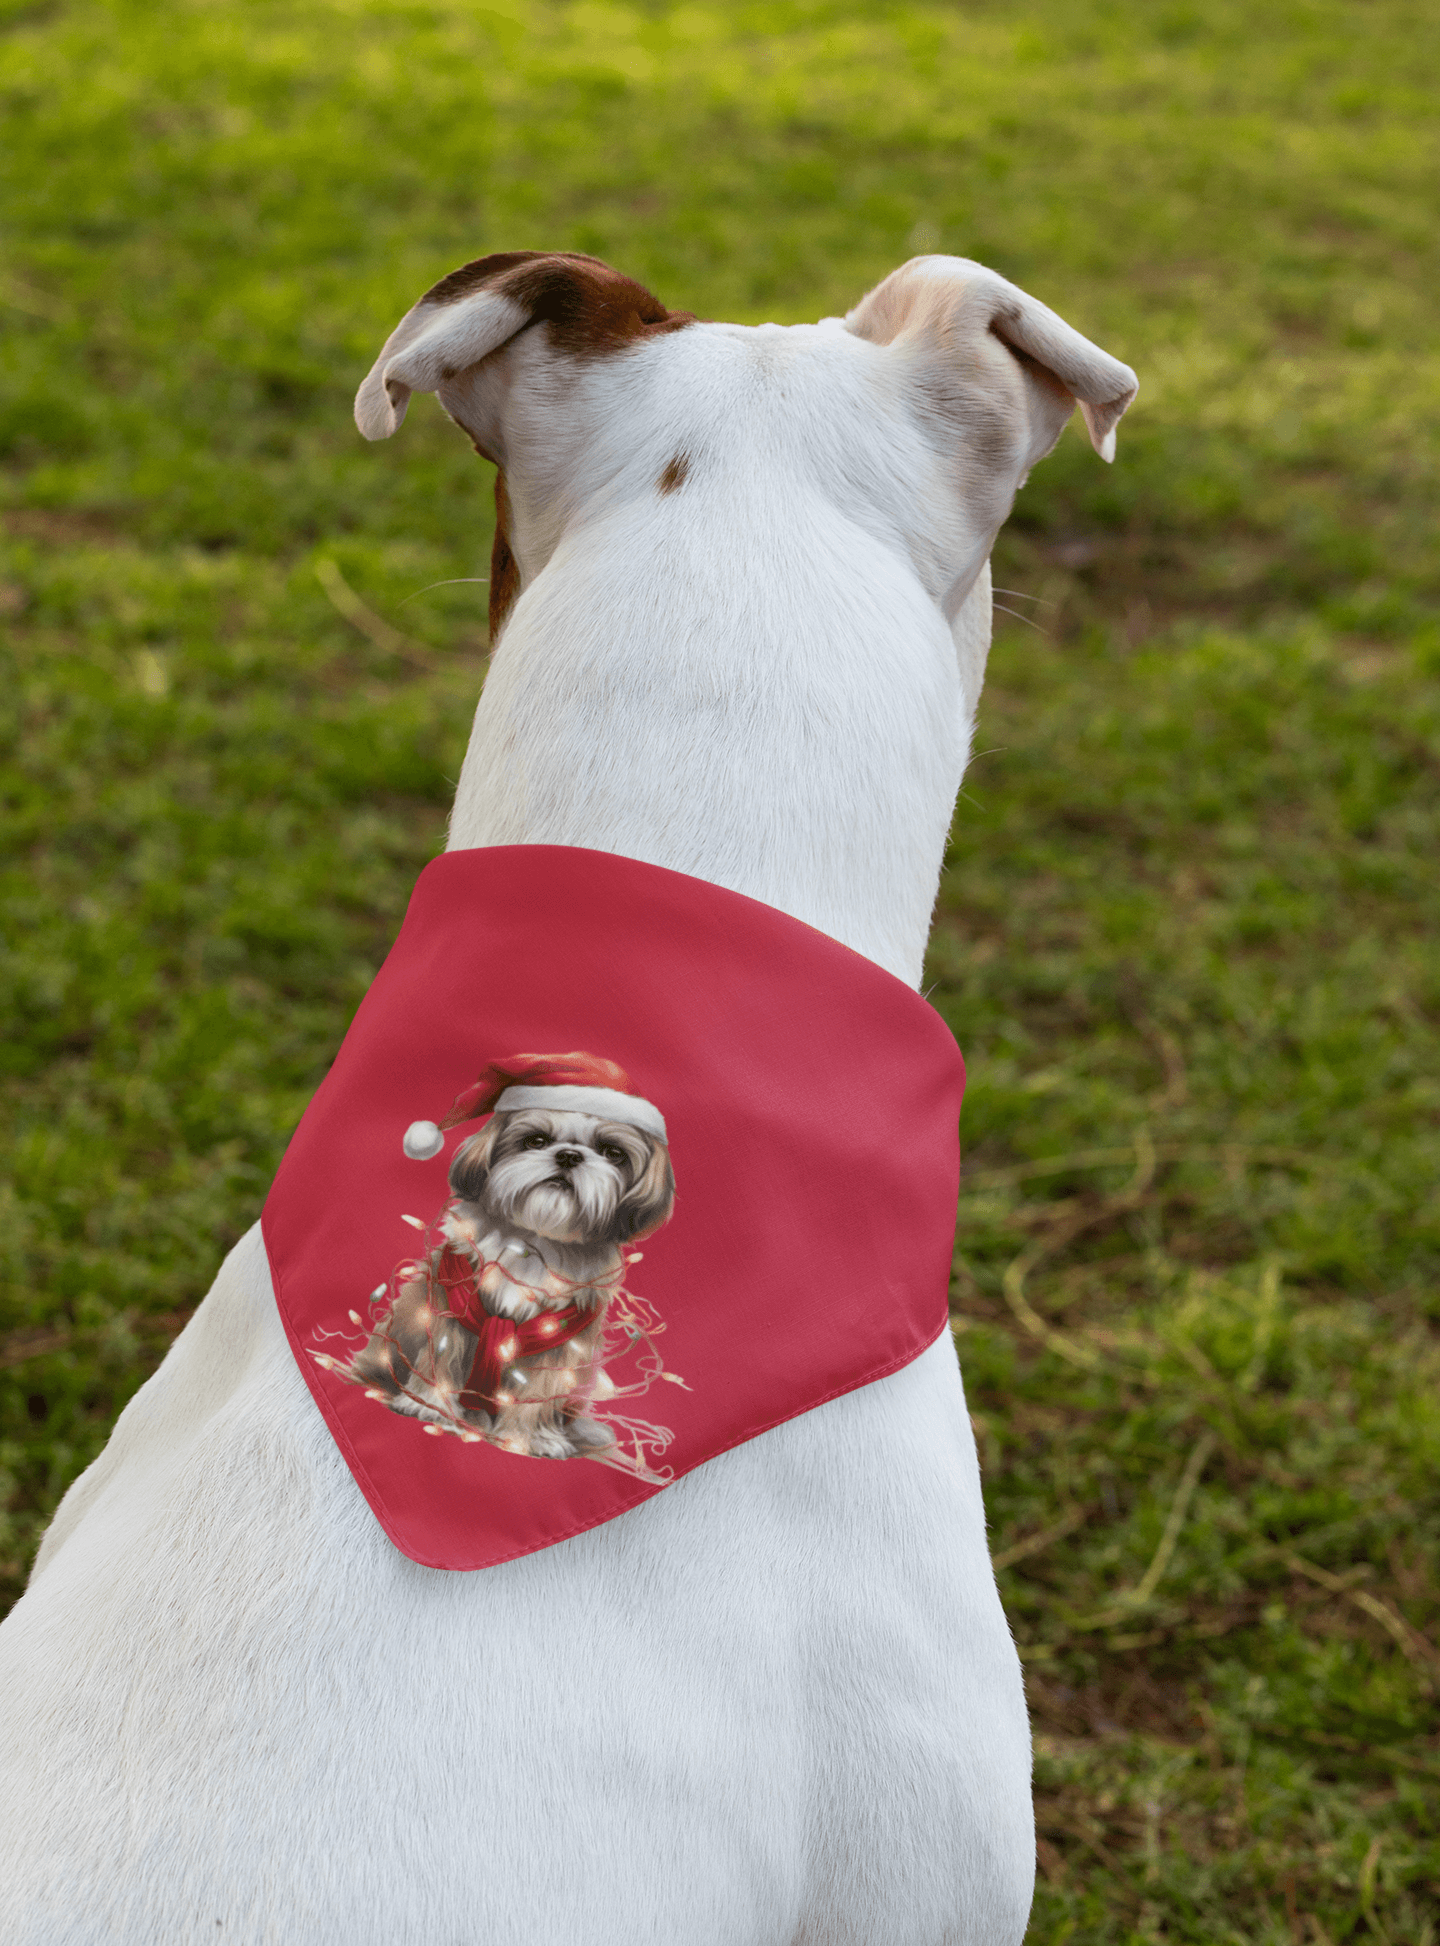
[675, 474]
[504, 573]
[479, 271]
[591, 309]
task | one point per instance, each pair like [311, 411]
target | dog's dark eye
[611, 1153]
[536, 1142]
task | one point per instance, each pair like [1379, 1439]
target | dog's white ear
[590, 308]
[954, 310]
[433, 341]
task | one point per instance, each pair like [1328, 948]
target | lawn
[1187, 933]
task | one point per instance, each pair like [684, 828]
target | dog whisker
[1020, 595]
[454, 581]
[1015, 613]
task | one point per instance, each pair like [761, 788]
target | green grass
[1187, 935]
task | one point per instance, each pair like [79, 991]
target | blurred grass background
[1187, 932]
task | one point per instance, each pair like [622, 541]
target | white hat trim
[608, 1103]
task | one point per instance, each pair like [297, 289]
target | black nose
[568, 1158]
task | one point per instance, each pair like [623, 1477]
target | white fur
[588, 1101]
[778, 1705]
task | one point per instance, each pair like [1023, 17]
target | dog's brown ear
[470, 1165]
[959, 313]
[649, 1200]
[591, 310]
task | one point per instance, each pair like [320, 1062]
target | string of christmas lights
[452, 1278]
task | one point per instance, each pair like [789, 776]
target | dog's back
[779, 1701]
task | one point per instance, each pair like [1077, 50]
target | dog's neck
[762, 697]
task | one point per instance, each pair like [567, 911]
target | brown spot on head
[590, 308]
[675, 473]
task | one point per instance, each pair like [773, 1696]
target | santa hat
[582, 1083]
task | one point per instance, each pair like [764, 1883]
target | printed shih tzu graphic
[513, 1323]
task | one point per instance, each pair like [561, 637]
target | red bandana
[750, 1124]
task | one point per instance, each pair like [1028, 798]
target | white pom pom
[422, 1140]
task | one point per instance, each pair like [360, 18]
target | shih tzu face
[569, 1177]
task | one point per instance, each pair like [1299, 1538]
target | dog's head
[569, 1177]
[914, 418]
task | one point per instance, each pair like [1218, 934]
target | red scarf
[502, 1341]
[806, 1101]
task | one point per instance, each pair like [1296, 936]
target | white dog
[743, 579]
